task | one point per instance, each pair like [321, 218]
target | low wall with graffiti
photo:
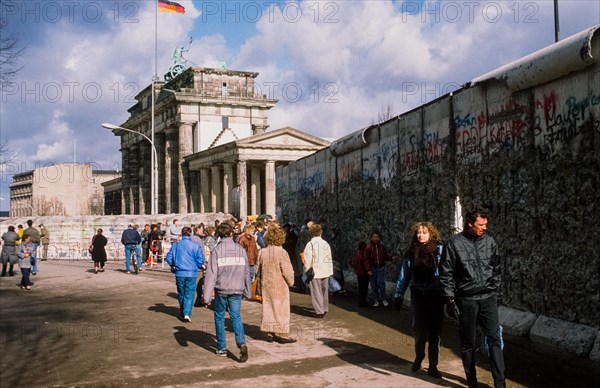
[523, 141]
[71, 236]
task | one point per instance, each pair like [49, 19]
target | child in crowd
[25, 254]
[362, 275]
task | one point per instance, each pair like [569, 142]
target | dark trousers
[10, 270]
[428, 319]
[485, 313]
[199, 290]
[299, 284]
[25, 279]
[363, 288]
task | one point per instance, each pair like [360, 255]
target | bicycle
[133, 258]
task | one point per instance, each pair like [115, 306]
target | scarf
[424, 257]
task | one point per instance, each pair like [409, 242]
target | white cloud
[349, 59]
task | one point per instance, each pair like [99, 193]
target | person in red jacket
[375, 257]
[362, 275]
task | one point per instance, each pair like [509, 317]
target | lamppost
[154, 162]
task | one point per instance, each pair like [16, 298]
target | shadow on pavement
[169, 310]
[365, 357]
[200, 338]
[303, 311]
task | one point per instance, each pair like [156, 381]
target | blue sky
[333, 65]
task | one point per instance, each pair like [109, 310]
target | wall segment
[524, 141]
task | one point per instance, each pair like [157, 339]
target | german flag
[170, 6]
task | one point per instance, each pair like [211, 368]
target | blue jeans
[138, 253]
[378, 284]
[186, 291]
[252, 273]
[231, 303]
[33, 258]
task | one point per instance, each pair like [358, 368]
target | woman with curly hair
[275, 274]
[421, 271]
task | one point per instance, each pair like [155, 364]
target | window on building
[224, 89]
[225, 120]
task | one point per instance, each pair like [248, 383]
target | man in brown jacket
[45, 240]
[248, 241]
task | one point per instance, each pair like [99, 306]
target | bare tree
[5, 157]
[10, 52]
[385, 113]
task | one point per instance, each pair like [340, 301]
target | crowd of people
[20, 246]
[261, 260]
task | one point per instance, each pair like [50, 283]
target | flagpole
[153, 161]
[556, 23]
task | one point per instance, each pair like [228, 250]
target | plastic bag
[485, 348]
[334, 285]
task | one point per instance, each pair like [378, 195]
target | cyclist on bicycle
[131, 239]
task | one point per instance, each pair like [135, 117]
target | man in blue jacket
[131, 239]
[228, 275]
[186, 258]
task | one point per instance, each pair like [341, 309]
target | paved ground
[77, 328]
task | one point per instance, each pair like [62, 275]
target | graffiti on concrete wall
[347, 169]
[507, 128]
[560, 120]
[435, 145]
[314, 182]
[389, 159]
[423, 150]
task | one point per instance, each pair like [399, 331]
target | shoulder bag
[310, 273]
[91, 247]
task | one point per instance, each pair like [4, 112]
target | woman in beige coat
[276, 274]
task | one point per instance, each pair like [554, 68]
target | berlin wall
[71, 236]
[523, 141]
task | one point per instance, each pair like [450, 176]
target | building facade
[214, 152]
[68, 189]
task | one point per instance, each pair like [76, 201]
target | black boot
[433, 360]
[416, 365]
[3, 270]
[10, 270]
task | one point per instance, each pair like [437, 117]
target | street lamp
[154, 162]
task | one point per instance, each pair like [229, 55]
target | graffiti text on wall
[558, 125]
[424, 151]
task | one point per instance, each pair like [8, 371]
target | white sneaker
[187, 319]
[222, 352]
[376, 304]
[385, 303]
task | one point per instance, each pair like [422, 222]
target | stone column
[170, 148]
[160, 143]
[242, 182]
[205, 194]
[125, 179]
[145, 179]
[227, 175]
[186, 147]
[255, 190]
[123, 200]
[270, 187]
[215, 195]
[134, 176]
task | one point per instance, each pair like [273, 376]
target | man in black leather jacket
[471, 279]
